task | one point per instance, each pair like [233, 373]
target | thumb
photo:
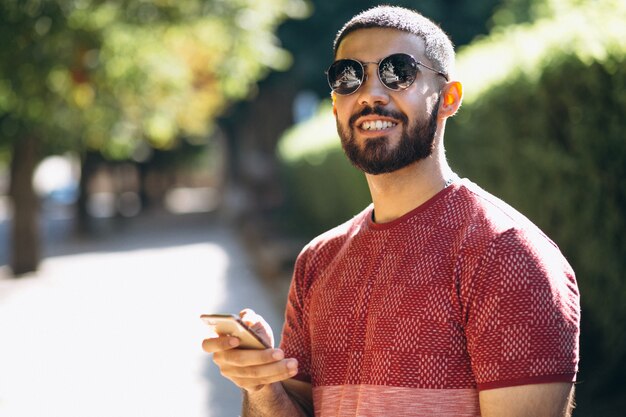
[258, 325]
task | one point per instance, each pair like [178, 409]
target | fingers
[219, 344]
[248, 357]
[247, 368]
[254, 377]
[247, 362]
[283, 369]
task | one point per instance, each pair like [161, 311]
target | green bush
[323, 189]
[543, 127]
[548, 137]
[555, 150]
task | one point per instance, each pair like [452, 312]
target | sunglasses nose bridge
[370, 70]
[372, 89]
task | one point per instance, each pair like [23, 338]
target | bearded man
[436, 300]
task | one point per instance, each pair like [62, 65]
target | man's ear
[333, 97]
[451, 97]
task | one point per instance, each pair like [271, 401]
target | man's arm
[536, 400]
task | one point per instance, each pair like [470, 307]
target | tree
[109, 76]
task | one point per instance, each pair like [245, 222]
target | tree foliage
[106, 75]
[116, 76]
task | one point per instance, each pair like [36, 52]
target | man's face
[382, 130]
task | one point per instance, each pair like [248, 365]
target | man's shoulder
[336, 236]
[489, 218]
[321, 251]
[484, 208]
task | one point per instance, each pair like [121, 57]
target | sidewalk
[110, 327]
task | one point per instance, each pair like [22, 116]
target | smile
[377, 125]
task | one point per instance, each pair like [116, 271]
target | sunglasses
[396, 72]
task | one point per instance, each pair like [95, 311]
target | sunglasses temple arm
[434, 70]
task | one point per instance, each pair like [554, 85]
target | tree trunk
[89, 163]
[252, 136]
[25, 225]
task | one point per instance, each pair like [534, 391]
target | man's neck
[399, 192]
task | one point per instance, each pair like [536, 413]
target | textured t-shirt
[415, 316]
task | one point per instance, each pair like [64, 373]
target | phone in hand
[231, 325]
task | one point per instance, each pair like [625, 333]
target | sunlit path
[116, 332]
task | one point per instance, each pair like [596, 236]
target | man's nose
[373, 91]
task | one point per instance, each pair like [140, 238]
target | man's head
[393, 93]
[438, 46]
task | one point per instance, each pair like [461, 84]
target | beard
[416, 142]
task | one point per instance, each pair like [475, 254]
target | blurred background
[186, 148]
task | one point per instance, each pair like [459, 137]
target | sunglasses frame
[364, 78]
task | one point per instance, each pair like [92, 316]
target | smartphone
[231, 325]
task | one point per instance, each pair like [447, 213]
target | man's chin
[377, 168]
[373, 165]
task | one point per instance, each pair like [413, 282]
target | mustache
[379, 111]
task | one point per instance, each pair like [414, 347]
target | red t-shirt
[415, 316]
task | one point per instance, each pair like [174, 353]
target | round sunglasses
[396, 72]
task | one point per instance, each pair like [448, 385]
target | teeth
[377, 125]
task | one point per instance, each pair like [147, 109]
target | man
[438, 300]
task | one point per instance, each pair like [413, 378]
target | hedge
[550, 139]
[323, 189]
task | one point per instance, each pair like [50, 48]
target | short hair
[439, 48]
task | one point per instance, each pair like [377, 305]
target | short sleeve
[295, 340]
[523, 313]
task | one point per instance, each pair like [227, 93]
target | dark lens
[398, 71]
[345, 76]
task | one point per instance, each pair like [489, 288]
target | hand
[258, 325]
[250, 369]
